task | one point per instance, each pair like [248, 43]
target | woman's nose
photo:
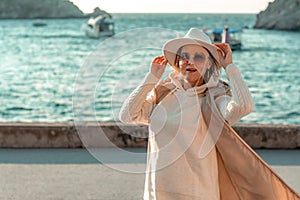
[190, 61]
[184, 62]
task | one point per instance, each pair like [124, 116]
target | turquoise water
[44, 68]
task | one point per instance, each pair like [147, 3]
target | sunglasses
[185, 58]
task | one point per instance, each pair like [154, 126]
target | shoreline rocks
[280, 15]
[39, 9]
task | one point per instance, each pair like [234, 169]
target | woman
[193, 153]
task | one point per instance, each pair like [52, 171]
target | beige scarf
[243, 175]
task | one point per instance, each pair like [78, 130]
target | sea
[54, 73]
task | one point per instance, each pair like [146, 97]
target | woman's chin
[195, 81]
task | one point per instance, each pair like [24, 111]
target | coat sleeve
[138, 106]
[241, 103]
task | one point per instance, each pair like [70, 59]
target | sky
[174, 6]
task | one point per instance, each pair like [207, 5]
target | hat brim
[171, 47]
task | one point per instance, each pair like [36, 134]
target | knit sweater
[174, 170]
[137, 108]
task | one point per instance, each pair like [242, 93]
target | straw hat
[193, 36]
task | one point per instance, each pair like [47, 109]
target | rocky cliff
[281, 15]
[30, 9]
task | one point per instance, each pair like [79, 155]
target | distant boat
[233, 39]
[39, 24]
[99, 26]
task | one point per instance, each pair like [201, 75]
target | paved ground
[74, 174]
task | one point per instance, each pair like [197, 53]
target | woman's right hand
[158, 66]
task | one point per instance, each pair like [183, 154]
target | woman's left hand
[225, 54]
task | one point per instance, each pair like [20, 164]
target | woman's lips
[191, 69]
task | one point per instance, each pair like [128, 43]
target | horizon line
[176, 13]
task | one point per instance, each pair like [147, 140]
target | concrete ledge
[66, 135]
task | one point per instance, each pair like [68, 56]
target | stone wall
[66, 135]
[281, 15]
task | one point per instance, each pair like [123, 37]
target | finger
[160, 57]
[163, 59]
[222, 45]
[226, 47]
[226, 50]
[220, 52]
[165, 62]
[222, 48]
[156, 60]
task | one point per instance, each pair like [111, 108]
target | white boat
[100, 26]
